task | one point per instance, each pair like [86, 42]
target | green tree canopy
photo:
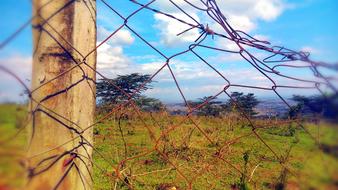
[243, 103]
[327, 106]
[239, 102]
[149, 104]
[109, 91]
[211, 108]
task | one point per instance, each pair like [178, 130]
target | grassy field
[212, 156]
[11, 149]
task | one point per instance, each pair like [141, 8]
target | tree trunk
[64, 31]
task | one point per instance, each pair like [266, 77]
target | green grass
[309, 166]
[11, 149]
[180, 159]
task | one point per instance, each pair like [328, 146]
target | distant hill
[268, 107]
[272, 107]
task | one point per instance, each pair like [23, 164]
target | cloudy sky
[306, 25]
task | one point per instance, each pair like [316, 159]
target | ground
[212, 153]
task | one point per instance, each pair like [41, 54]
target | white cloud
[168, 6]
[226, 44]
[19, 64]
[241, 14]
[188, 72]
[111, 59]
[10, 88]
[242, 22]
[268, 9]
[310, 50]
[122, 37]
[244, 14]
[259, 9]
[197, 80]
[169, 28]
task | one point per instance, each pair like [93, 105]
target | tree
[243, 103]
[327, 106]
[294, 111]
[211, 108]
[149, 104]
[109, 91]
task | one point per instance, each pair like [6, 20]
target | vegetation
[260, 168]
[225, 162]
[118, 90]
[238, 103]
[211, 108]
[149, 104]
[12, 119]
[326, 106]
[243, 103]
[110, 91]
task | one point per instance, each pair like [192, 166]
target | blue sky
[308, 25]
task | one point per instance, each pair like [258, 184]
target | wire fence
[157, 158]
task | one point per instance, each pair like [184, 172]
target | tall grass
[201, 152]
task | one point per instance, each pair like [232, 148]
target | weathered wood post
[63, 32]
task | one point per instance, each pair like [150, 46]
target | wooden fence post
[64, 31]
